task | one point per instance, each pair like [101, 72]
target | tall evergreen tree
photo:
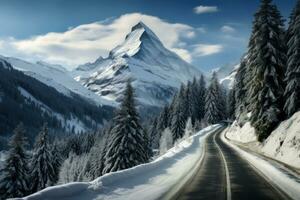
[266, 69]
[14, 175]
[214, 106]
[240, 89]
[231, 104]
[201, 93]
[127, 147]
[179, 115]
[56, 161]
[193, 98]
[162, 121]
[43, 172]
[292, 91]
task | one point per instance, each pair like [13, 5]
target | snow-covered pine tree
[56, 161]
[166, 141]
[189, 130]
[188, 100]
[193, 98]
[14, 174]
[42, 170]
[162, 121]
[127, 147]
[154, 133]
[266, 67]
[231, 104]
[223, 101]
[214, 106]
[292, 91]
[240, 90]
[179, 115]
[201, 93]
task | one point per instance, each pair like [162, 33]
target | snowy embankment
[283, 144]
[287, 183]
[147, 181]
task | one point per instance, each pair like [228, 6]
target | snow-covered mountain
[26, 99]
[226, 75]
[57, 77]
[156, 72]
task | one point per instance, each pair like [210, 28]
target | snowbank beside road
[244, 134]
[287, 183]
[283, 144]
[148, 181]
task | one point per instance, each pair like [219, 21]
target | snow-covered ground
[243, 134]
[147, 181]
[287, 182]
[283, 144]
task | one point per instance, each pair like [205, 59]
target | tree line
[267, 84]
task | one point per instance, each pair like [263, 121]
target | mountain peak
[140, 33]
[139, 25]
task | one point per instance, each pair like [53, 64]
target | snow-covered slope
[226, 75]
[283, 144]
[55, 76]
[156, 72]
[148, 181]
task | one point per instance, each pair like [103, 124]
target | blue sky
[207, 33]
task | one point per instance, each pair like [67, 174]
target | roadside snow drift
[283, 144]
[147, 181]
[243, 134]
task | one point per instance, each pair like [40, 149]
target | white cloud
[201, 30]
[227, 29]
[205, 9]
[183, 53]
[87, 42]
[206, 49]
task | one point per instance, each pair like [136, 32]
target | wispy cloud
[227, 29]
[205, 9]
[87, 42]
[206, 49]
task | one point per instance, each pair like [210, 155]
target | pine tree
[154, 133]
[14, 175]
[292, 91]
[56, 161]
[166, 141]
[194, 101]
[266, 69]
[189, 130]
[128, 146]
[162, 122]
[231, 104]
[201, 93]
[240, 89]
[179, 115]
[214, 106]
[43, 172]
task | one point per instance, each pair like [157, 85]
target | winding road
[224, 174]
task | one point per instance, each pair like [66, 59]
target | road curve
[225, 175]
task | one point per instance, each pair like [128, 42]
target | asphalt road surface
[223, 174]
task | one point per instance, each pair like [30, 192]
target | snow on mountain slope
[55, 76]
[147, 181]
[226, 75]
[156, 72]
